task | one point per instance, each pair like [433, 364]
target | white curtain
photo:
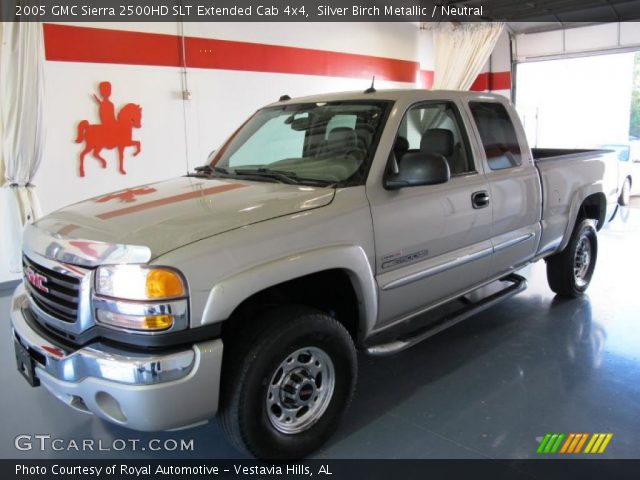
[21, 130]
[461, 50]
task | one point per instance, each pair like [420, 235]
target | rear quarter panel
[567, 181]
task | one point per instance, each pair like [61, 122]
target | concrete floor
[487, 388]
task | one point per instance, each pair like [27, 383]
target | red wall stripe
[231, 55]
[500, 81]
[98, 45]
[481, 83]
[67, 43]
[82, 44]
[426, 78]
[492, 81]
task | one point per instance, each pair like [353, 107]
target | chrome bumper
[142, 391]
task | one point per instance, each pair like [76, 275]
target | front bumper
[142, 391]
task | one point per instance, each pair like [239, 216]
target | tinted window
[497, 134]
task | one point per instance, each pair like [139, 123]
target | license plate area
[26, 364]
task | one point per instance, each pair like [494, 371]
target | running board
[518, 284]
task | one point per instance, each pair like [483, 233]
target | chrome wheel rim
[300, 390]
[582, 261]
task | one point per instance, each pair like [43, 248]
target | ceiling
[530, 16]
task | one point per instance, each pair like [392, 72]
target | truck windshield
[316, 142]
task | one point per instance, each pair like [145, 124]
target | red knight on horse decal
[111, 132]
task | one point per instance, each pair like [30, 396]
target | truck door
[515, 190]
[433, 241]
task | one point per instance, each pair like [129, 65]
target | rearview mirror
[419, 168]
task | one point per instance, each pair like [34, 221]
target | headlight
[140, 298]
[135, 282]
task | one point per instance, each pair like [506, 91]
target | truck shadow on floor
[460, 370]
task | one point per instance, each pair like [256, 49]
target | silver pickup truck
[324, 225]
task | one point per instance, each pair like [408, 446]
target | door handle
[480, 199]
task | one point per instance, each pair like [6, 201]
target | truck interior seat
[340, 141]
[441, 140]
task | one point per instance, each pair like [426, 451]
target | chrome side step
[518, 284]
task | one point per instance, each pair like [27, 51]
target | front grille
[61, 299]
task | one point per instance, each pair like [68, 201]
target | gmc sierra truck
[324, 225]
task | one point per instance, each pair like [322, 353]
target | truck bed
[563, 173]
[540, 154]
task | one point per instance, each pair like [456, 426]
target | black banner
[314, 11]
[328, 469]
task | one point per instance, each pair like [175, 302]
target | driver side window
[435, 128]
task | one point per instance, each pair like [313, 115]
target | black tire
[570, 271]
[251, 361]
[625, 193]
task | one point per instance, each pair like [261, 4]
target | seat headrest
[342, 137]
[401, 146]
[437, 140]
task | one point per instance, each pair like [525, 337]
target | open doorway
[577, 102]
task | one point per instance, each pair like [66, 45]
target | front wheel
[569, 272]
[286, 384]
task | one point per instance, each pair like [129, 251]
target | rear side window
[497, 134]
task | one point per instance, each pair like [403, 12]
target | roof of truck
[412, 94]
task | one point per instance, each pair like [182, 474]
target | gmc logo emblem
[37, 280]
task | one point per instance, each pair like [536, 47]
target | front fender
[227, 294]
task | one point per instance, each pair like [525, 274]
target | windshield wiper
[208, 170]
[281, 175]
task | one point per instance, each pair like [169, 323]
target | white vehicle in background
[634, 158]
[626, 170]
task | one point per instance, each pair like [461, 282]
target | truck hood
[167, 215]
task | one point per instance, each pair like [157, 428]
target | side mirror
[419, 168]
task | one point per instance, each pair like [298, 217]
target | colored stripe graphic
[556, 445]
[581, 443]
[550, 443]
[567, 443]
[598, 443]
[607, 439]
[573, 443]
[543, 443]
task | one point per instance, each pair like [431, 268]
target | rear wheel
[625, 194]
[286, 384]
[569, 272]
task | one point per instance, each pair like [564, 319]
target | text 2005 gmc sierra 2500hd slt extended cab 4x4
[323, 225]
